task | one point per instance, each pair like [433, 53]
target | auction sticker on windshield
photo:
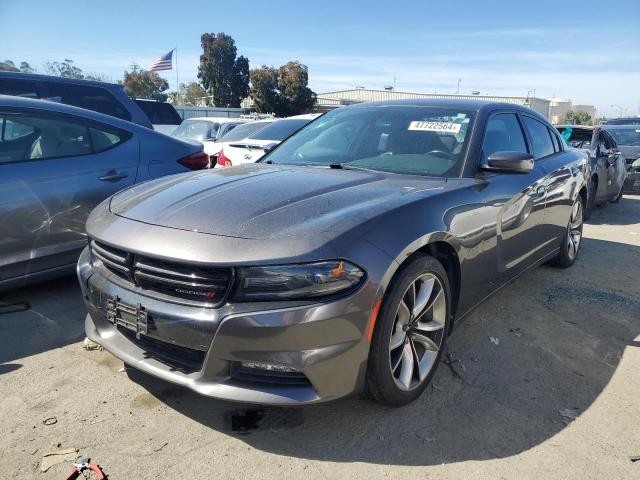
[435, 126]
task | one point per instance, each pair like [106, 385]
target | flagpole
[177, 82]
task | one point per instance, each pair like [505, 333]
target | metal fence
[190, 112]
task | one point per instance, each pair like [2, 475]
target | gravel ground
[554, 394]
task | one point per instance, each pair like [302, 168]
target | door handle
[113, 176]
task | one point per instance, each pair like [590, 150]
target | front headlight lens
[297, 282]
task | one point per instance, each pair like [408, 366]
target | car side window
[19, 88]
[540, 138]
[503, 134]
[35, 136]
[104, 138]
[91, 98]
[555, 141]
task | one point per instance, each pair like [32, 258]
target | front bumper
[201, 348]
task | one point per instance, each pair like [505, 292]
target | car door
[54, 169]
[516, 201]
[613, 163]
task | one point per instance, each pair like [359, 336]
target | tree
[222, 74]
[26, 68]
[297, 97]
[264, 89]
[578, 118]
[140, 83]
[65, 69]
[8, 66]
[282, 91]
[193, 93]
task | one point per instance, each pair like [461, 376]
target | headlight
[297, 282]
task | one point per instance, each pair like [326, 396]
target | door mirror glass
[509, 162]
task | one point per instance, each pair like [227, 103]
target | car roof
[220, 119]
[480, 106]
[55, 79]
[22, 102]
[620, 127]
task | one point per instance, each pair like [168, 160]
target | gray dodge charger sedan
[338, 263]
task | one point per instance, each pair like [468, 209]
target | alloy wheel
[418, 331]
[574, 232]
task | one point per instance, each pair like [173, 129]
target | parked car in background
[164, 117]
[624, 121]
[107, 98]
[339, 262]
[628, 139]
[255, 145]
[241, 132]
[207, 130]
[57, 163]
[608, 171]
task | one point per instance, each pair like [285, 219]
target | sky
[586, 51]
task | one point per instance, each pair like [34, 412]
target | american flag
[163, 63]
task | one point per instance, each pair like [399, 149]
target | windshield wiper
[346, 166]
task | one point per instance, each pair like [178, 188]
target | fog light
[270, 367]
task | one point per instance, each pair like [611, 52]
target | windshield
[626, 136]
[399, 139]
[198, 129]
[280, 129]
[242, 131]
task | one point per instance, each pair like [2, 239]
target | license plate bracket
[126, 316]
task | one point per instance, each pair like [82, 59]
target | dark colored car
[624, 121]
[56, 164]
[340, 261]
[608, 171]
[164, 117]
[627, 138]
[102, 97]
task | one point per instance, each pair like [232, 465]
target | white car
[207, 130]
[241, 132]
[255, 145]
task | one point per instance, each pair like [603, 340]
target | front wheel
[572, 239]
[410, 332]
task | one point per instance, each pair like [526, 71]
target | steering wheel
[442, 154]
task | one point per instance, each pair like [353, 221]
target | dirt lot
[564, 342]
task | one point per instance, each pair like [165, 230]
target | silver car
[57, 163]
[341, 260]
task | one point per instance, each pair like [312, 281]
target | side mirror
[270, 146]
[509, 162]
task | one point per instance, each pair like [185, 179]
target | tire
[572, 240]
[401, 337]
[591, 199]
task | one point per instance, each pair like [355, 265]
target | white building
[330, 100]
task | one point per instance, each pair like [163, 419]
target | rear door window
[91, 98]
[103, 138]
[540, 138]
[160, 113]
[19, 88]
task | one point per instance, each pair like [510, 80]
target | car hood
[257, 201]
[630, 152]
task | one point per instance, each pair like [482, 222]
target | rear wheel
[410, 333]
[572, 240]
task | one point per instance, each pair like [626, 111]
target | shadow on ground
[54, 317]
[560, 334]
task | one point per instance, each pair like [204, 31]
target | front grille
[114, 260]
[258, 375]
[206, 286]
